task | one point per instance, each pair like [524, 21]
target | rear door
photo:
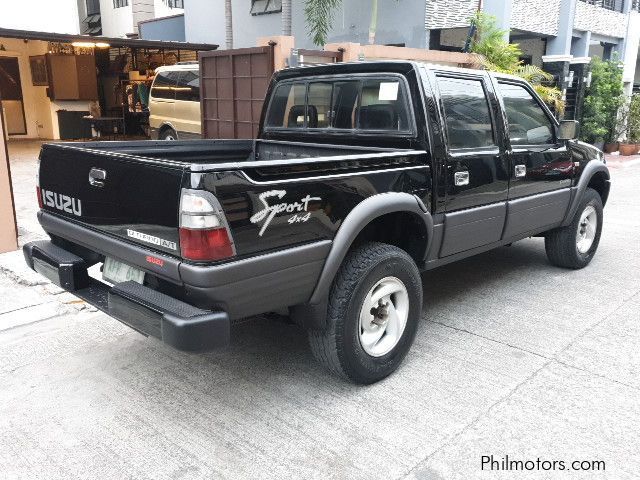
[541, 166]
[476, 164]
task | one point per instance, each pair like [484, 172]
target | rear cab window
[376, 104]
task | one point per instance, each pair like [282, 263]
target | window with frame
[368, 104]
[467, 112]
[528, 122]
[164, 85]
[188, 86]
[120, 3]
[174, 3]
[262, 7]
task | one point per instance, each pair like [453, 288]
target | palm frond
[319, 18]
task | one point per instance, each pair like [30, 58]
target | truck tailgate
[136, 199]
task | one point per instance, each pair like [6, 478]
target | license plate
[114, 271]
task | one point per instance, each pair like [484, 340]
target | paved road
[514, 357]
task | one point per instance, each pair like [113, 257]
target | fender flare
[366, 211]
[592, 168]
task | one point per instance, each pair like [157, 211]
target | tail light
[204, 233]
[38, 192]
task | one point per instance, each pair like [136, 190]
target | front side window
[369, 104]
[467, 113]
[528, 122]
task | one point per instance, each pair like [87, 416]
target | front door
[541, 166]
[11, 96]
[477, 177]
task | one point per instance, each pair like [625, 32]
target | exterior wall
[59, 16]
[398, 22]
[204, 22]
[116, 22]
[167, 28]
[141, 10]
[161, 9]
[449, 13]
[599, 20]
[8, 233]
[36, 103]
[536, 16]
[630, 48]
[534, 47]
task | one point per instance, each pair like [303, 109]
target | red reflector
[205, 244]
[39, 197]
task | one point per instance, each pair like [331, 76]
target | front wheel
[168, 134]
[575, 245]
[373, 313]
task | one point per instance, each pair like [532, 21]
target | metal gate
[233, 84]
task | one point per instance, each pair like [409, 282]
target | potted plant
[629, 121]
[603, 99]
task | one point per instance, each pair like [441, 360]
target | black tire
[560, 243]
[338, 346]
[168, 134]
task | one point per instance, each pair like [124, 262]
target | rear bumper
[148, 311]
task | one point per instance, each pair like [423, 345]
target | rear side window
[528, 123]
[188, 87]
[467, 113]
[368, 104]
[164, 85]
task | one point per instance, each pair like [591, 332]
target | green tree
[603, 99]
[499, 55]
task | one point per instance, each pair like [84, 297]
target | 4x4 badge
[270, 211]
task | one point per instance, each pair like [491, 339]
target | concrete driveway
[514, 357]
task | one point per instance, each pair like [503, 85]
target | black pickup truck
[363, 175]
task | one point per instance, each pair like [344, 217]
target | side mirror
[568, 130]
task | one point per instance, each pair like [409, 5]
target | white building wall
[631, 48]
[536, 16]
[449, 13]
[599, 20]
[204, 21]
[59, 16]
[37, 111]
[161, 8]
[116, 22]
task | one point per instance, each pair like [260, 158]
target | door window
[467, 113]
[528, 122]
[164, 85]
[188, 86]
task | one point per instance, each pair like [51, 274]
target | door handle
[97, 176]
[521, 171]
[461, 178]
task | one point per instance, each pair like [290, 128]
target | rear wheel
[575, 245]
[373, 313]
[168, 134]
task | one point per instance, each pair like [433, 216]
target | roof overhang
[112, 41]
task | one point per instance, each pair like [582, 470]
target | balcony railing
[614, 5]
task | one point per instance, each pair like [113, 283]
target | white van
[174, 103]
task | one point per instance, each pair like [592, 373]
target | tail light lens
[39, 194]
[204, 233]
